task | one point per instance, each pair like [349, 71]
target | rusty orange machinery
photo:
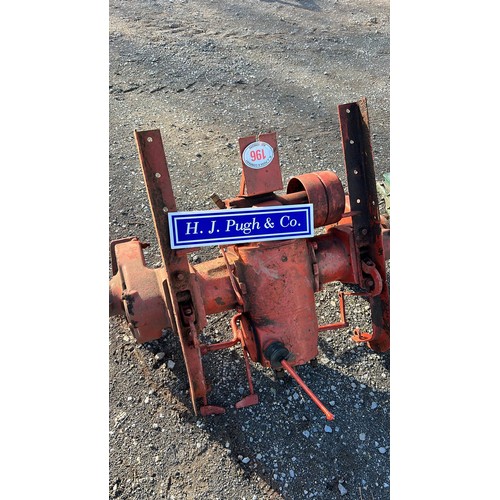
[269, 285]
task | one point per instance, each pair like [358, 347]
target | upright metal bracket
[358, 158]
[179, 286]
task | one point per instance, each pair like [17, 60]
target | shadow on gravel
[284, 440]
[278, 94]
[300, 4]
[351, 357]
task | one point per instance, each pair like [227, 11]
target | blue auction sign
[243, 225]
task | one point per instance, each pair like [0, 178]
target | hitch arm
[179, 287]
[366, 224]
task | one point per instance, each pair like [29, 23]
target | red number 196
[257, 155]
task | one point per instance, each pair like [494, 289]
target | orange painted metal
[183, 298]
[215, 286]
[366, 223]
[238, 337]
[269, 285]
[267, 199]
[336, 259]
[277, 278]
[340, 324]
[324, 190]
[317, 402]
[265, 180]
[136, 291]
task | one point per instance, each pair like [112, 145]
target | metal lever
[277, 353]
[317, 402]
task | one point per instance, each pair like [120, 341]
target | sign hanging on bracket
[260, 164]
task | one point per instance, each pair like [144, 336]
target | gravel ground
[206, 73]
[444, 357]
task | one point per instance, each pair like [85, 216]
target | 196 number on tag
[258, 155]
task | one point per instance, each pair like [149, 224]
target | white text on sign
[215, 227]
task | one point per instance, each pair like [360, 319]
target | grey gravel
[204, 75]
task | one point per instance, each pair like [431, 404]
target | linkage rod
[319, 404]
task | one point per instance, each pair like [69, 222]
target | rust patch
[219, 301]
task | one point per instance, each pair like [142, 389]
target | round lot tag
[258, 155]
